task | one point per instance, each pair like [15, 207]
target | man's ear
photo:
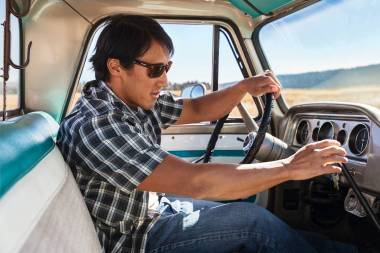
[114, 67]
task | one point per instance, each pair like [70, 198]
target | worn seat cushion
[24, 142]
[41, 207]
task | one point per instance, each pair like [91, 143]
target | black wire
[359, 195]
[213, 139]
[257, 9]
[236, 55]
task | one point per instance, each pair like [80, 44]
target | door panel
[190, 141]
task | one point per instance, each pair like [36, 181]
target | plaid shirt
[111, 148]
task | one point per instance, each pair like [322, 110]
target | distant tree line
[358, 76]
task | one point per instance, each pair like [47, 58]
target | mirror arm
[25, 64]
[7, 48]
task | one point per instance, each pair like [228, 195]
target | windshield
[329, 51]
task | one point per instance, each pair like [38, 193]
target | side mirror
[193, 91]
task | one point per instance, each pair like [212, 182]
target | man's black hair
[127, 37]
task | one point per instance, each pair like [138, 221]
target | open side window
[12, 89]
[231, 70]
[205, 60]
[205, 54]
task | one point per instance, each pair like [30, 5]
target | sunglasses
[154, 70]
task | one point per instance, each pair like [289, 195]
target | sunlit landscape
[369, 95]
[12, 101]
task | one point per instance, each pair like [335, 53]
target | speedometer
[302, 134]
[326, 131]
[359, 139]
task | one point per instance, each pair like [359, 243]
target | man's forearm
[235, 181]
[217, 104]
[228, 182]
[212, 180]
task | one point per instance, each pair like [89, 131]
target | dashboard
[355, 126]
[353, 133]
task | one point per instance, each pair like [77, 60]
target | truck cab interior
[325, 54]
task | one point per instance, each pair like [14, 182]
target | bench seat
[41, 207]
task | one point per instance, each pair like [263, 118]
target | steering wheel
[251, 126]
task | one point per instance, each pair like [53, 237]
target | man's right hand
[315, 159]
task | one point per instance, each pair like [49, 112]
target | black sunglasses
[154, 70]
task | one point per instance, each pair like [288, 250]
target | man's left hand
[261, 84]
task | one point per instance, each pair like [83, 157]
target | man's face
[137, 88]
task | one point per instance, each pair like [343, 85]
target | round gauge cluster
[302, 132]
[326, 131]
[357, 139]
[341, 136]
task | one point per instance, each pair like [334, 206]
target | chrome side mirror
[193, 91]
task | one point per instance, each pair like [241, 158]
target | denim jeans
[188, 225]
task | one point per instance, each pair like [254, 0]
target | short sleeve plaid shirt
[111, 148]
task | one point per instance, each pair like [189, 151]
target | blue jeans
[188, 225]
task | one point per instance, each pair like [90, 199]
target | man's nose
[163, 80]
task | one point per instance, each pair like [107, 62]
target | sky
[331, 34]
[328, 35]
[192, 59]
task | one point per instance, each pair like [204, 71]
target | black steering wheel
[258, 140]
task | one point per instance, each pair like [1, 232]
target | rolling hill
[339, 78]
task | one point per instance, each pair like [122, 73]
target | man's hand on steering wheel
[265, 83]
[261, 84]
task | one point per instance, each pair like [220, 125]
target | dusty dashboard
[356, 127]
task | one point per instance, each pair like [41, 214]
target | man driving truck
[111, 141]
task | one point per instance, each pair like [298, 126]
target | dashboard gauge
[342, 136]
[302, 134]
[326, 131]
[315, 134]
[359, 139]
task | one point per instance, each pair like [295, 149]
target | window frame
[21, 75]
[243, 69]
[230, 28]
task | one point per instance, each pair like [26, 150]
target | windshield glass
[329, 51]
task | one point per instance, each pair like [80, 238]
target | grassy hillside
[338, 78]
[366, 95]
[359, 85]
[12, 102]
